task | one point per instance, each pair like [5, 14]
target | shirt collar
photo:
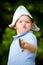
[17, 36]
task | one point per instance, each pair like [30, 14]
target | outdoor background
[7, 9]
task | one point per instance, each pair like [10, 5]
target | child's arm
[26, 45]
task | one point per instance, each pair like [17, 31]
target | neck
[18, 33]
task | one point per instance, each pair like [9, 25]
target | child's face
[23, 24]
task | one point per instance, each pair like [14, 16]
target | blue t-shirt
[16, 56]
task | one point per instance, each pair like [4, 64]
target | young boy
[24, 46]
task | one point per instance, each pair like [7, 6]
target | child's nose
[23, 22]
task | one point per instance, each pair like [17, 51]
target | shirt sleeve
[31, 38]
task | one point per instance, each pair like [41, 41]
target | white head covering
[20, 11]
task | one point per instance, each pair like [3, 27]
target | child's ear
[33, 25]
[14, 26]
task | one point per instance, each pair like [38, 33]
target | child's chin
[24, 31]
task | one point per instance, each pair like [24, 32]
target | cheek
[29, 26]
[18, 26]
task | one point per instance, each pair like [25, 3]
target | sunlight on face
[23, 24]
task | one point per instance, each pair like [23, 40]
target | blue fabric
[16, 56]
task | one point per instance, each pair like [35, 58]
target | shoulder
[31, 38]
[31, 35]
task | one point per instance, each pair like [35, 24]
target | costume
[16, 56]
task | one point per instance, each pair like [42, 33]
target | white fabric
[36, 28]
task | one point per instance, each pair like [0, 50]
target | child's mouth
[24, 27]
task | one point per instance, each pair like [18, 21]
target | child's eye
[27, 22]
[20, 21]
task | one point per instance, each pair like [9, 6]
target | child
[24, 46]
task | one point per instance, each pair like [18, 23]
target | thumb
[22, 49]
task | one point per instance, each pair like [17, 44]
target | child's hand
[21, 43]
[26, 45]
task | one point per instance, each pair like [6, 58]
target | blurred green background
[7, 9]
